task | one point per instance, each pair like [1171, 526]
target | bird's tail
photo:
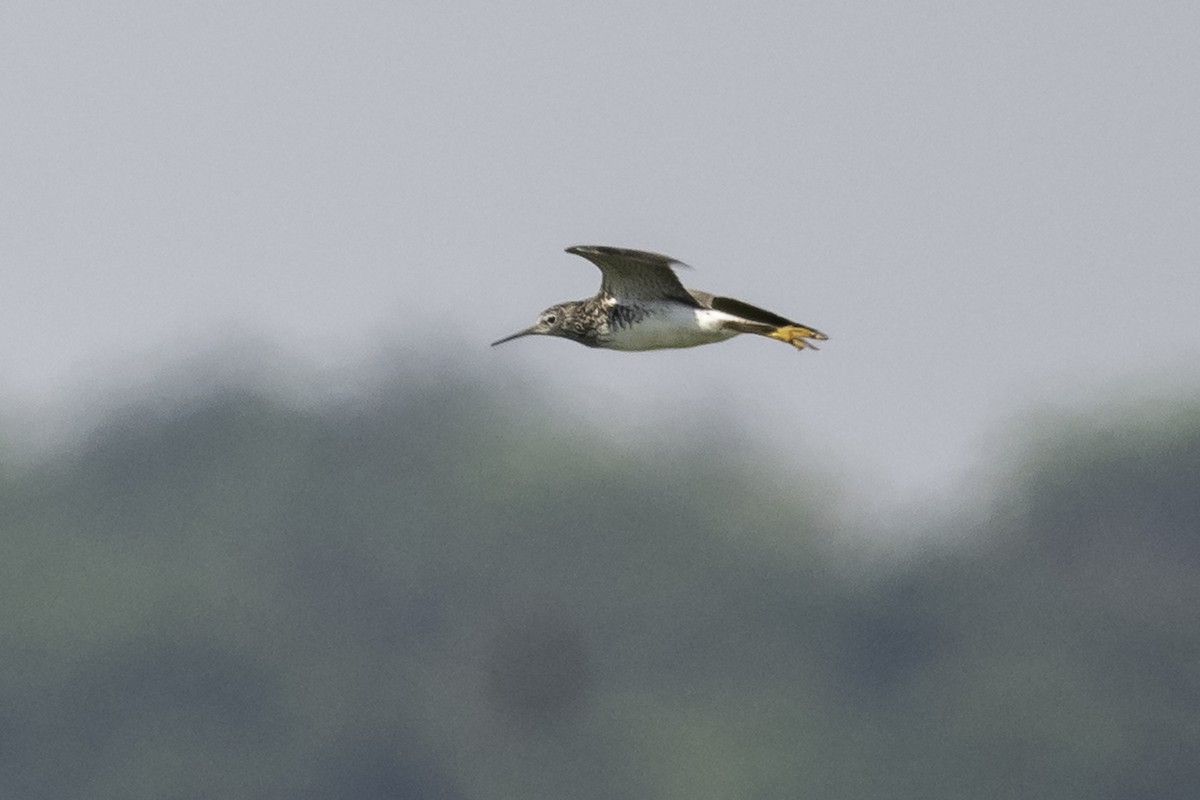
[798, 336]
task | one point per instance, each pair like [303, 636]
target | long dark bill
[517, 335]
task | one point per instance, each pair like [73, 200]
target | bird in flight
[642, 305]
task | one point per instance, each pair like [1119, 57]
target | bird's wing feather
[747, 311]
[753, 319]
[636, 274]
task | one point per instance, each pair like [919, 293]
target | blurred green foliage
[424, 593]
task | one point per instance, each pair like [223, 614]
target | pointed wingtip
[590, 251]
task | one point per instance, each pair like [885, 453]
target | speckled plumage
[642, 305]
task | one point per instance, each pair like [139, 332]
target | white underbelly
[677, 327]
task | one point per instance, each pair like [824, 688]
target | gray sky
[988, 206]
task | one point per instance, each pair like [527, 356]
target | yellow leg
[797, 336]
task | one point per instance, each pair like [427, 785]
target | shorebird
[642, 305]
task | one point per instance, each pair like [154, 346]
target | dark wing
[743, 310]
[635, 274]
[758, 320]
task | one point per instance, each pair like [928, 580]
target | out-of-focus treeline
[423, 592]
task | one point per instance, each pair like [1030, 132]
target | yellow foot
[797, 336]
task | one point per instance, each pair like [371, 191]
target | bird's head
[550, 323]
[554, 321]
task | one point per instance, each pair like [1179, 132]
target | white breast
[675, 326]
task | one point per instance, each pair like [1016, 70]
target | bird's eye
[551, 319]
